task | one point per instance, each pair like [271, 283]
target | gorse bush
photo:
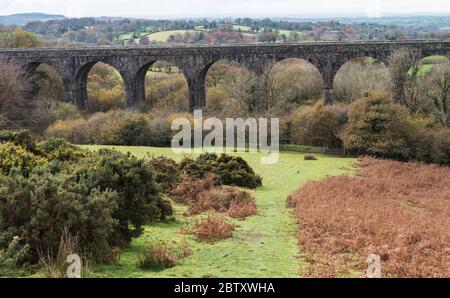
[15, 254]
[39, 207]
[227, 169]
[56, 149]
[15, 157]
[234, 170]
[19, 137]
[133, 182]
[102, 198]
[166, 172]
[309, 157]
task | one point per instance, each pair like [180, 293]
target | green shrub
[432, 145]
[198, 167]
[16, 157]
[133, 131]
[133, 181]
[16, 253]
[142, 131]
[38, 209]
[317, 125]
[228, 170]
[234, 170]
[378, 127]
[20, 137]
[103, 198]
[61, 150]
[166, 172]
[158, 133]
[309, 157]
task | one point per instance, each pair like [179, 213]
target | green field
[434, 58]
[264, 245]
[164, 35]
[242, 27]
[427, 64]
[161, 36]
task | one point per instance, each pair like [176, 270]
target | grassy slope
[164, 35]
[263, 246]
[429, 63]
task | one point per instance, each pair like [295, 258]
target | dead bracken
[399, 211]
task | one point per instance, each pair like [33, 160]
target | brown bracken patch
[400, 211]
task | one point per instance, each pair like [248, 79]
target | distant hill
[23, 18]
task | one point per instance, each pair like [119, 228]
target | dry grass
[157, 256]
[162, 255]
[55, 265]
[225, 199]
[113, 256]
[400, 211]
[189, 188]
[201, 195]
[213, 228]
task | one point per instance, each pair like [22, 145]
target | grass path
[264, 245]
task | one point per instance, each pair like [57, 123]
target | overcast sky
[211, 8]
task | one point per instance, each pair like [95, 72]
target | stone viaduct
[74, 64]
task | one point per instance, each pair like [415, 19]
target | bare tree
[217, 74]
[3, 121]
[290, 83]
[401, 62]
[245, 91]
[439, 93]
[361, 77]
[14, 93]
[6, 36]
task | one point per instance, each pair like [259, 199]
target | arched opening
[49, 103]
[361, 77]
[231, 89]
[291, 83]
[161, 86]
[47, 84]
[101, 87]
